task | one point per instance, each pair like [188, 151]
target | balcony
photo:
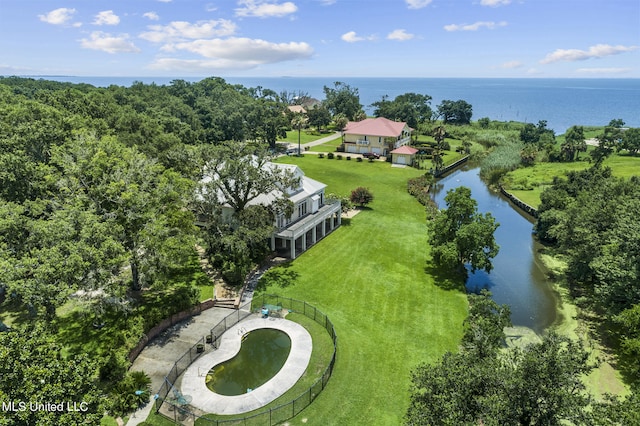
[402, 142]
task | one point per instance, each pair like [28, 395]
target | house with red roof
[403, 155]
[375, 135]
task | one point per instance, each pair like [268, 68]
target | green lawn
[371, 278]
[327, 147]
[527, 183]
[305, 136]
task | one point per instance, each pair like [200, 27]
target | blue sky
[351, 38]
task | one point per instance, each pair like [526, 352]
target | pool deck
[193, 380]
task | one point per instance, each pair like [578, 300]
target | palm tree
[298, 122]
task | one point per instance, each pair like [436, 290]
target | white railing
[403, 142]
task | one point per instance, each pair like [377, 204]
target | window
[302, 209]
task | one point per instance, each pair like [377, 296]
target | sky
[317, 38]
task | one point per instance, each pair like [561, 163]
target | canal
[518, 278]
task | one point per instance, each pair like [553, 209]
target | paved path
[158, 357]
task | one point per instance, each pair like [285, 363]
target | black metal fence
[271, 416]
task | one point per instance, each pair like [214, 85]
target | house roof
[404, 150]
[376, 127]
[307, 187]
[299, 109]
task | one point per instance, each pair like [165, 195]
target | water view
[518, 278]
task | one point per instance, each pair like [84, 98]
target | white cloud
[400, 35]
[181, 30]
[494, 3]
[327, 2]
[264, 9]
[475, 26]
[165, 1]
[418, 4]
[152, 16]
[106, 17]
[352, 37]
[108, 43]
[58, 16]
[251, 52]
[512, 64]
[199, 65]
[597, 51]
[603, 70]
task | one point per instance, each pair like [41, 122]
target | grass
[320, 358]
[305, 136]
[390, 310]
[604, 378]
[527, 183]
[328, 146]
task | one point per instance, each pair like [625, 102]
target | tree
[455, 112]
[144, 202]
[608, 140]
[482, 384]
[240, 172]
[573, 143]
[33, 370]
[319, 117]
[361, 196]
[298, 122]
[340, 121]
[235, 176]
[411, 108]
[460, 235]
[344, 99]
[631, 140]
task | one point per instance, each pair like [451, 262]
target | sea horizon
[561, 101]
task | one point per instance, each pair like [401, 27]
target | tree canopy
[460, 235]
[411, 108]
[455, 112]
[482, 384]
[343, 99]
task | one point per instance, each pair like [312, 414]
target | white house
[313, 216]
[375, 135]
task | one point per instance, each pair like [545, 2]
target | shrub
[130, 393]
[330, 156]
[361, 196]
[339, 157]
[359, 159]
[348, 158]
[321, 155]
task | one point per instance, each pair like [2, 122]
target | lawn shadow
[445, 278]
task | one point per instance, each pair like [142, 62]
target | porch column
[304, 241]
[324, 230]
[273, 242]
[314, 237]
[293, 247]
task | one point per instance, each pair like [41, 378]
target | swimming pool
[262, 354]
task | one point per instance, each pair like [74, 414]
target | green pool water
[262, 355]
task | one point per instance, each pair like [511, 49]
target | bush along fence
[271, 416]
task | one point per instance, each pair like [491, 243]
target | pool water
[262, 354]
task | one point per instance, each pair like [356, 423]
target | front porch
[299, 236]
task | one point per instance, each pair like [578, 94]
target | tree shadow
[446, 279]
[281, 276]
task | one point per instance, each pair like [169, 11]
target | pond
[518, 278]
[262, 354]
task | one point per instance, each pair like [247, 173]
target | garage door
[401, 159]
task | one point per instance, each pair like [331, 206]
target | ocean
[562, 102]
